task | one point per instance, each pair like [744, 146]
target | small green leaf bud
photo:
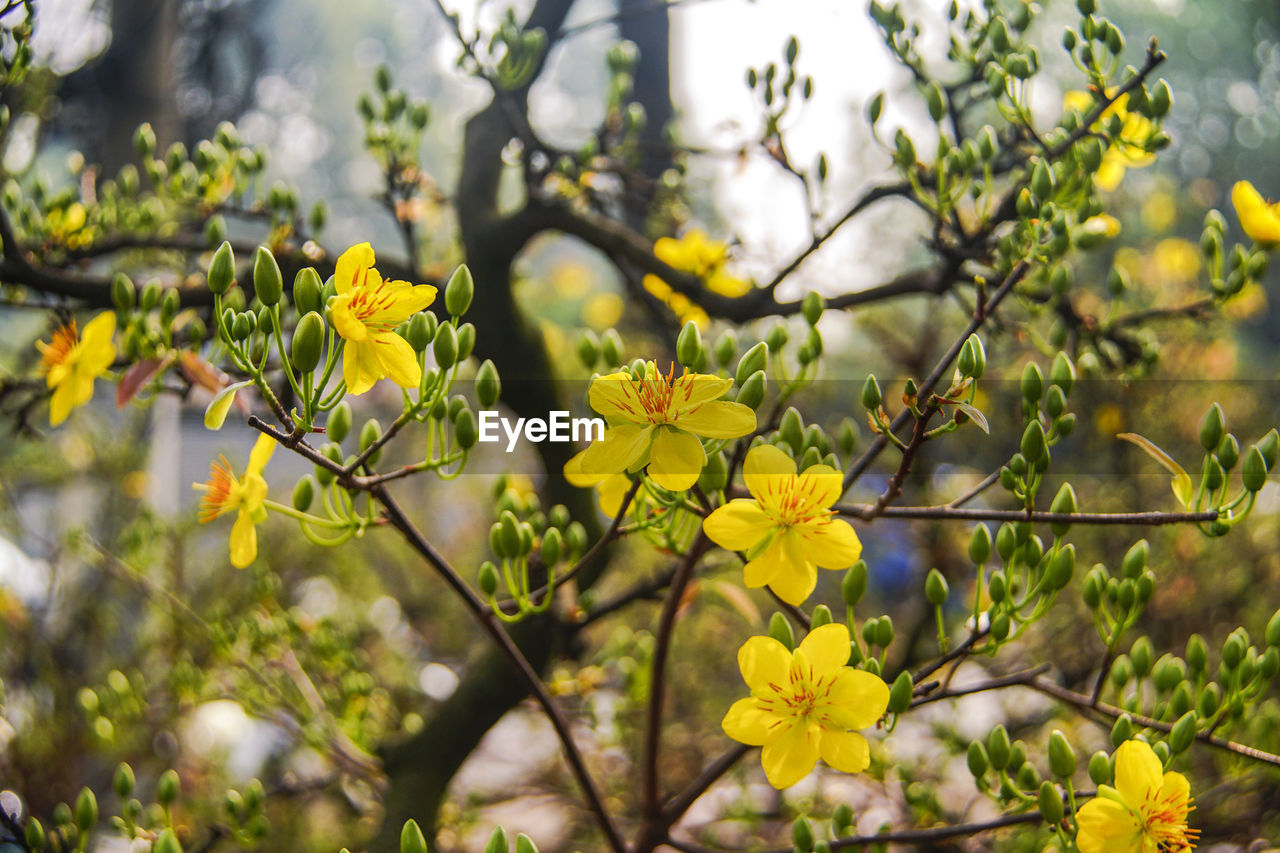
[791, 429]
[488, 578]
[34, 834]
[304, 493]
[123, 782]
[1228, 452]
[308, 342]
[1063, 567]
[752, 361]
[1041, 179]
[1050, 801]
[524, 844]
[802, 836]
[884, 632]
[411, 838]
[552, 547]
[1210, 699]
[488, 384]
[1269, 447]
[1121, 731]
[1100, 768]
[1033, 442]
[1135, 559]
[977, 759]
[780, 630]
[465, 429]
[459, 292]
[871, 396]
[1032, 384]
[900, 693]
[588, 350]
[1064, 502]
[689, 344]
[86, 810]
[498, 842]
[466, 341]
[715, 474]
[1161, 99]
[1006, 541]
[222, 269]
[1062, 758]
[1141, 656]
[243, 326]
[1121, 671]
[445, 345]
[821, 616]
[369, 434]
[306, 291]
[725, 348]
[998, 747]
[812, 306]
[1253, 472]
[339, 424]
[751, 394]
[936, 588]
[575, 535]
[1184, 732]
[1212, 427]
[1272, 632]
[419, 332]
[1198, 652]
[854, 584]
[268, 285]
[777, 337]
[980, 544]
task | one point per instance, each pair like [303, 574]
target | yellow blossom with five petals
[657, 420]
[71, 362]
[1259, 218]
[804, 704]
[246, 496]
[787, 527]
[365, 312]
[1145, 812]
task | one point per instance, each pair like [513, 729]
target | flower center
[222, 492]
[1165, 823]
[655, 396]
[803, 696]
[60, 348]
[799, 502]
[365, 302]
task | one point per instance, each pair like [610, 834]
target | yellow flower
[656, 421]
[1145, 812]
[804, 704]
[787, 528]
[682, 306]
[247, 496]
[1259, 219]
[366, 312]
[70, 362]
[67, 226]
[695, 252]
[1128, 149]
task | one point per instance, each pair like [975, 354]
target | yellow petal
[1105, 826]
[359, 366]
[675, 459]
[575, 476]
[790, 757]
[847, 752]
[860, 697]
[397, 360]
[345, 322]
[694, 389]
[831, 544]
[764, 464]
[826, 648]
[81, 383]
[1138, 772]
[747, 723]
[622, 447]
[718, 419]
[97, 350]
[795, 577]
[769, 563]
[261, 454]
[244, 540]
[763, 661]
[612, 490]
[62, 403]
[615, 395]
[349, 272]
[1111, 172]
[399, 301]
[1261, 221]
[737, 525]
[1174, 788]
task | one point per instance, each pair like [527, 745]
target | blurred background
[100, 666]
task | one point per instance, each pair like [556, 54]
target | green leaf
[1182, 487]
[216, 414]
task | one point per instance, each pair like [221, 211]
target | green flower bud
[1055, 402]
[306, 291]
[1269, 447]
[1184, 732]
[1253, 472]
[751, 393]
[34, 834]
[369, 434]
[1050, 801]
[802, 836]
[466, 341]
[524, 844]
[780, 630]
[1233, 651]
[304, 493]
[86, 810]
[308, 342]
[854, 584]
[871, 396]
[812, 307]
[268, 285]
[980, 544]
[1064, 502]
[339, 423]
[998, 747]
[725, 348]
[150, 295]
[1032, 384]
[552, 547]
[936, 589]
[575, 535]
[488, 577]
[419, 332]
[1161, 99]
[459, 292]
[498, 842]
[777, 337]
[884, 632]
[1100, 768]
[123, 781]
[1063, 567]
[791, 429]
[934, 101]
[900, 693]
[689, 344]
[1272, 632]
[488, 384]
[445, 346]
[411, 838]
[1062, 758]
[1000, 625]
[1033, 442]
[167, 843]
[1228, 452]
[611, 347]
[978, 760]
[1128, 593]
[715, 474]
[1140, 654]
[1121, 731]
[1212, 427]
[123, 294]
[1146, 586]
[842, 819]
[242, 327]
[1269, 664]
[1210, 699]
[752, 361]
[1042, 180]
[1135, 560]
[465, 429]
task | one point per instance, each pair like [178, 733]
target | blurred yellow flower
[787, 527]
[682, 306]
[697, 253]
[656, 420]
[246, 496]
[1259, 218]
[71, 362]
[1128, 149]
[803, 705]
[67, 226]
[365, 313]
[1145, 812]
